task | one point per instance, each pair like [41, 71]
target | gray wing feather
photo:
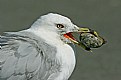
[24, 56]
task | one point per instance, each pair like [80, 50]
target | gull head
[59, 25]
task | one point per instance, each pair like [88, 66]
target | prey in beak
[72, 38]
[87, 38]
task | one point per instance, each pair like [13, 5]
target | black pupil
[60, 26]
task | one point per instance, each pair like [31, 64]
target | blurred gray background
[101, 15]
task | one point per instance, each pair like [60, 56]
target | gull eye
[60, 26]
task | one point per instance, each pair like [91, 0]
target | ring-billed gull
[40, 52]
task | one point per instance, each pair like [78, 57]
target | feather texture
[22, 57]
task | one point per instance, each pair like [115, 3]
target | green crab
[90, 39]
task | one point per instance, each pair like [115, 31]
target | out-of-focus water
[101, 15]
